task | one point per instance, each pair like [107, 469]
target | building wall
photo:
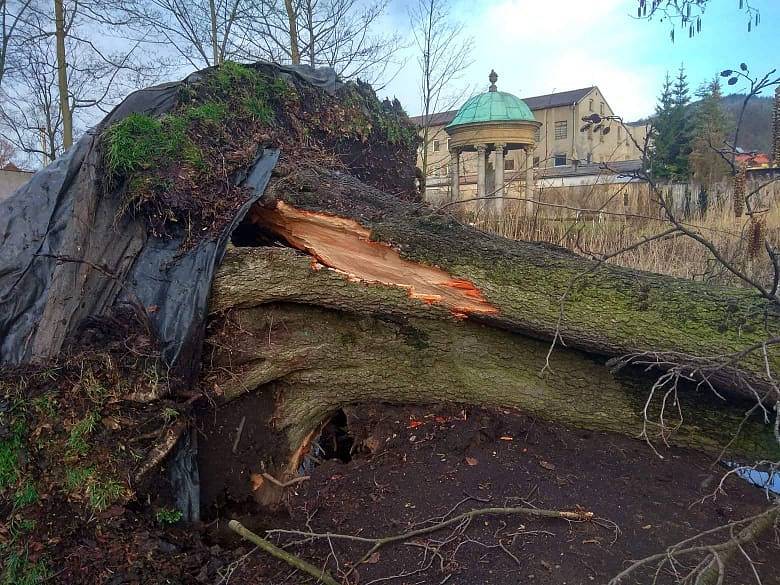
[10, 181]
[559, 135]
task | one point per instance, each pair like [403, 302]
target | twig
[321, 575]
[238, 433]
[378, 543]
[284, 484]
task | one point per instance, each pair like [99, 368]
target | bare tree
[63, 79]
[12, 15]
[199, 33]
[7, 152]
[342, 34]
[443, 54]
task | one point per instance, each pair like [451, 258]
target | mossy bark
[316, 342]
[607, 309]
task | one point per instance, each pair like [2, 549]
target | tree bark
[386, 301]
[62, 76]
[295, 54]
[214, 44]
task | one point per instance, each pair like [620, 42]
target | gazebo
[492, 121]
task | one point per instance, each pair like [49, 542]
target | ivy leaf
[726, 73]
[743, 66]
[733, 81]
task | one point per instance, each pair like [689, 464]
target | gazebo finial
[493, 77]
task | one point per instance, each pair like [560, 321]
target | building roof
[618, 167]
[493, 106]
[539, 102]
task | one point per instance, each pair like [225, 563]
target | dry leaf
[471, 461]
[257, 481]
[547, 465]
[506, 438]
[373, 559]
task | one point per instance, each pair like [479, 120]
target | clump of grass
[168, 516]
[141, 142]
[211, 112]
[77, 477]
[19, 570]
[103, 493]
[11, 449]
[100, 491]
[77, 439]
[15, 565]
[169, 414]
[27, 494]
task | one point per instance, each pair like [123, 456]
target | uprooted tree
[121, 302]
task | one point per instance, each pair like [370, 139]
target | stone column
[454, 174]
[498, 206]
[529, 178]
[481, 164]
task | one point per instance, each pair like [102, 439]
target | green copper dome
[493, 106]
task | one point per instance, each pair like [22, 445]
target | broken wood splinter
[345, 245]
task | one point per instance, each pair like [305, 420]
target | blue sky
[554, 45]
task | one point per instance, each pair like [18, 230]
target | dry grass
[676, 256]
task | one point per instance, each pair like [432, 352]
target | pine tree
[711, 128]
[662, 130]
[672, 138]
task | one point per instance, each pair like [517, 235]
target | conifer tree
[711, 128]
[673, 127]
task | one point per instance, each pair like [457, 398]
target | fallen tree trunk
[534, 289]
[387, 301]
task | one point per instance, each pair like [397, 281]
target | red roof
[754, 159]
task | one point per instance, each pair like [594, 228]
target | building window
[590, 105]
[538, 134]
[436, 146]
[561, 130]
[589, 158]
[620, 133]
[536, 162]
[602, 108]
[509, 164]
[559, 160]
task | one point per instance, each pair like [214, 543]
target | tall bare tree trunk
[312, 34]
[214, 44]
[62, 76]
[295, 54]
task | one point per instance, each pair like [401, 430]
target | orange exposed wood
[345, 245]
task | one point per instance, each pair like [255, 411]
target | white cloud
[556, 45]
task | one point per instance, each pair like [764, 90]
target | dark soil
[412, 464]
